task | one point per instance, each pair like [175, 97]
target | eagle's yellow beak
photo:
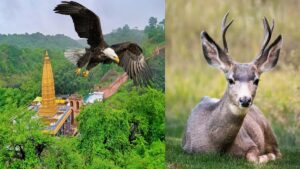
[117, 59]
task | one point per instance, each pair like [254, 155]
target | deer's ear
[269, 57]
[213, 54]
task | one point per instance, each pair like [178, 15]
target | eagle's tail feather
[73, 55]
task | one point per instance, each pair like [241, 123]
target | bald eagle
[87, 25]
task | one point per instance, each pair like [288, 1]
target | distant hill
[121, 35]
[18, 65]
[38, 40]
[62, 42]
[82, 42]
[125, 34]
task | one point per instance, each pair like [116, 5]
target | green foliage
[67, 82]
[111, 135]
[17, 65]
[154, 31]
[147, 111]
[149, 157]
[157, 64]
[156, 39]
[61, 154]
[112, 144]
[129, 125]
[14, 97]
[21, 138]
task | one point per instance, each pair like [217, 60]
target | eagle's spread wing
[133, 62]
[86, 22]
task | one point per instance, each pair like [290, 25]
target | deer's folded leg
[253, 155]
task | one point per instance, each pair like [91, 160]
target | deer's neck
[226, 121]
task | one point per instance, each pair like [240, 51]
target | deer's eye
[231, 81]
[256, 81]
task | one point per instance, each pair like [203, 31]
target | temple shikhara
[48, 108]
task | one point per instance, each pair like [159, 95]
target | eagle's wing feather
[133, 62]
[74, 55]
[86, 22]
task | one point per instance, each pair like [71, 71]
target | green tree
[152, 21]
[154, 31]
[128, 124]
[21, 138]
[62, 153]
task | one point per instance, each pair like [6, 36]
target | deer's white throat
[237, 110]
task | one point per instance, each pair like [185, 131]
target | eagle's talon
[85, 73]
[78, 71]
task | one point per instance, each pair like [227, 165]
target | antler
[224, 29]
[267, 34]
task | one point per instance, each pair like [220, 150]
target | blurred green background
[189, 78]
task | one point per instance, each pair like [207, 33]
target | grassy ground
[178, 159]
[189, 78]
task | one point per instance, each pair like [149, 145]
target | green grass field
[178, 159]
[189, 78]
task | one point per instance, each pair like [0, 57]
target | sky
[30, 16]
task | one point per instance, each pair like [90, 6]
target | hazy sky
[21, 16]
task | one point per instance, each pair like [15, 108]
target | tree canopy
[129, 125]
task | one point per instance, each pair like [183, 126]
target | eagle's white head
[109, 52]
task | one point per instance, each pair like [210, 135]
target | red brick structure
[75, 103]
[114, 86]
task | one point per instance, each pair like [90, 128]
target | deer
[233, 125]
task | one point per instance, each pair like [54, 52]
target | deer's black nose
[245, 101]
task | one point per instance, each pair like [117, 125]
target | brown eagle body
[87, 25]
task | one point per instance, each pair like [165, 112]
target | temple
[59, 112]
[56, 113]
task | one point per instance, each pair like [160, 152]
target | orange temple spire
[48, 108]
